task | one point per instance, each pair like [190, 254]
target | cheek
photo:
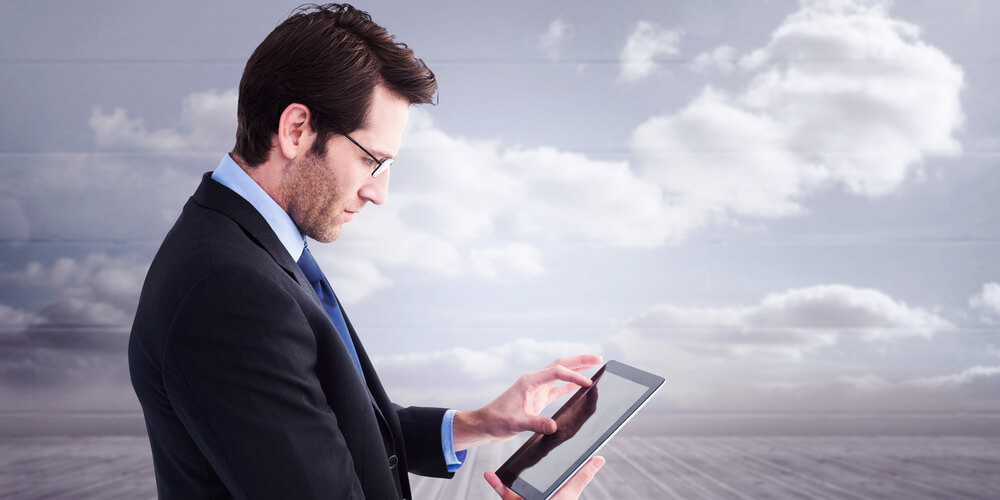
[332, 190]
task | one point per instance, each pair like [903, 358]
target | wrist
[469, 429]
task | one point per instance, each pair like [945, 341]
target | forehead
[384, 122]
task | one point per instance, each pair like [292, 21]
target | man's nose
[376, 189]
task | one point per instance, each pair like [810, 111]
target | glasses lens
[382, 168]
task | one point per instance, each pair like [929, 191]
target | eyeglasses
[381, 166]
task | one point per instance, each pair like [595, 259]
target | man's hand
[517, 409]
[570, 491]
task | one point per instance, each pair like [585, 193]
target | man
[252, 379]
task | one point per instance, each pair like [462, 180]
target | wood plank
[655, 467]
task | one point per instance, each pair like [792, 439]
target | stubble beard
[312, 195]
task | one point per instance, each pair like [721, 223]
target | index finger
[581, 362]
[556, 372]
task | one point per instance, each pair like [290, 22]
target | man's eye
[370, 162]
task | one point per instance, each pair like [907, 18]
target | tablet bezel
[652, 383]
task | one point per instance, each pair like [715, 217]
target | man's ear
[294, 134]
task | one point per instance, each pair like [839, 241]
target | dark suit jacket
[246, 386]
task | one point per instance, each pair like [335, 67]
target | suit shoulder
[204, 241]
[203, 244]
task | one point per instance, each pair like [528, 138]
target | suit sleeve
[422, 439]
[239, 368]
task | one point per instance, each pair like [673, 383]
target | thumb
[572, 489]
[543, 425]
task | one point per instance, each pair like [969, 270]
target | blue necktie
[319, 283]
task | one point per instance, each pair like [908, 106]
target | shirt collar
[231, 175]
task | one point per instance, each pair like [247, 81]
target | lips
[349, 214]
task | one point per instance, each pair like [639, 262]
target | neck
[267, 175]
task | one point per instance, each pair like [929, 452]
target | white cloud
[742, 386]
[471, 207]
[510, 262]
[77, 339]
[842, 95]
[353, 279]
[717, 158]
[830, 102]
[95, 290]
[695, 380]
[207, 123]
[478, 189]
[550, 43]
[973, 389]
[80, 311]
[864, 382]
[483, 208]
[973, 375]
[74, 196]
[824, 347]
[868, 313]
[787, 325]
[15, 320]
[987, 301]
[64, 271]
[468, 377]
[465, 206]
[116, 128]
[645, 46]
[722, 58]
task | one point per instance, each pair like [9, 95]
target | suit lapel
[211, 194]
[380, 400]
[215, 196]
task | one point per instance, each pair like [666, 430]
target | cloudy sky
[774, 204]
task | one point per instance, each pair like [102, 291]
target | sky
[775, 205]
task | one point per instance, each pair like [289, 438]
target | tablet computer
[588, 420]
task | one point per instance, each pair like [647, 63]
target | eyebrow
[381, 155]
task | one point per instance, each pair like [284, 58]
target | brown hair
[328, 58]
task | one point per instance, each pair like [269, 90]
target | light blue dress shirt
[229, 174]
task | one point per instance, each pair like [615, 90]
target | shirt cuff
[452, 459]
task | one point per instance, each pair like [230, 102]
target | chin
[327, 235]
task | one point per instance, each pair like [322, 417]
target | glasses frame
[381, 165]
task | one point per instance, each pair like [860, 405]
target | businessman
[253, 382]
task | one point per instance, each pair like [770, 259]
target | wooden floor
[638, 467]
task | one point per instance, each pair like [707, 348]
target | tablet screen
[589, 418]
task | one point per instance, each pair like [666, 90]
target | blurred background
[787, 209]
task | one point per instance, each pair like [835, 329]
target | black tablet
[588, 420]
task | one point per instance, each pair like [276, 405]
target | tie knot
[310, 268]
